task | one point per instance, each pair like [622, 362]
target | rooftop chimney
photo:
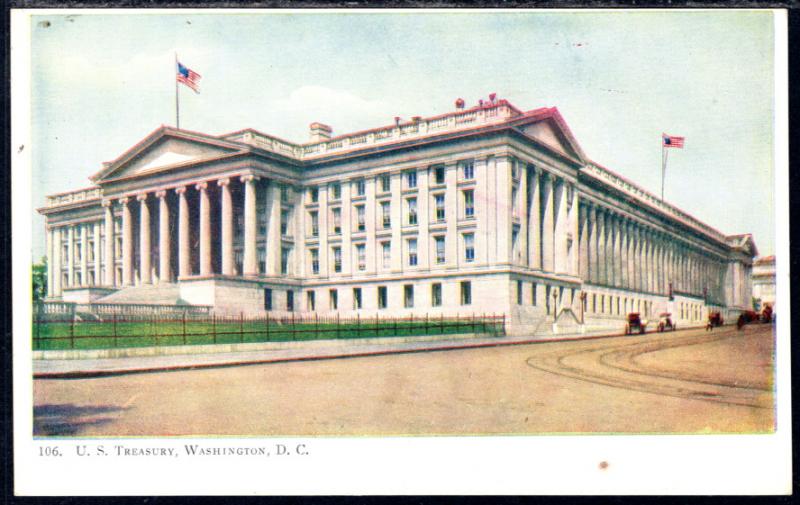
[459, 103]
[492, 97]
[397, 120]
[320, 132]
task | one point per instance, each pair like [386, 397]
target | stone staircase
[151, 294]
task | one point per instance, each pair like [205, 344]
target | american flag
[188, 77]
[670, 141]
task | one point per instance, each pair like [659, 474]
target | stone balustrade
[80, 195]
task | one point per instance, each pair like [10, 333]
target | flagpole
[664, 156]
[177, 104]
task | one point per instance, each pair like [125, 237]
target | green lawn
[105, 335]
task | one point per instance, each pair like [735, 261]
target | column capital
[535, 169]
[248, 178]
[224, 182]
[107, 202]
[124, 200]
[142, 197]
[180, 190]
[201, 186]
[550, 177]
[161, 194]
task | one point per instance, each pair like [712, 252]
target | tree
[39, 279]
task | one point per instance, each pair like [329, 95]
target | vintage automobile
[766, 314]
[665, 322]
[748, 316]
[714, 320]
[634, 324]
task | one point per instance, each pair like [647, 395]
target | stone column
[617, 259]
[56, 264]
[503, 180]
[226, 226]
[548, 241]
[49, 253]
[127, 243]
[583, 243]
[592, 222]
[609, 249]
[623, 253]
[184, 247]
[98, 258]
[144, 239]
[205, 230]
[109, 244]
[84, 254]
[522, 197]
[629, 255]
[164, 242]
[250, 261]
[274, 228]
[535, 221]
[561, 227]
[601, 246]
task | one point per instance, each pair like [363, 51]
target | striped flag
[188, 77]
[671, 141]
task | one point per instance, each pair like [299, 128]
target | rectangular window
[519, 292]
[313, 194]
[91, 278]
[386, 248]
[284, 222]
[514, 206]
[284, 194]
[439, 203]
[412, 211]
[412, 252]
[262, 260]
[267, 299]
[337, 220]
[314, 261]
[356, 298]
[438, 174]
[385, 183]
[469, 203]
[469, 247]
[262, 222]
[361, 256]
[334, 299]
[440, 255]
[468, 169]
[337, 259]
[466, 293]
[314, 223]
[514, 170]
[290, 301]
[78, 251]
[382, 297]
[361, 220]
[408, 296]
[515, 245]
[238, 260]
[90, 250]
[547, 298]
[436, 294]
[360, 187]
[411, 179]
[117, 249]
[311, 300]
[533, 293]
[336, 191]
[386, 215]
[285, 260]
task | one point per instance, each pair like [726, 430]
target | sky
[102, 82]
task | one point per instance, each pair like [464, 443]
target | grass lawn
[106, 335]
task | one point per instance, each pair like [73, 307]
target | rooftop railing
[73, 197]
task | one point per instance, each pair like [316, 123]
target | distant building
[487, 209]
[764, 280]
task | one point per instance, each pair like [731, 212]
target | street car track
[615, 366]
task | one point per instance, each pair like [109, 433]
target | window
[337, 259]
[466, 293]
[314, 261]
[65, 252]
[411, 179]
[78, 251]
[385, 183]
[468, 169]
[440, 255]
[285, 260]
[91, 278]
[262, 260]
[412, 252]
[515, 245]
[386, 248]
[514, 170]
[439, 203]
[313, 194]
[408, 296]
[412, 211]
[336, 191]
[361, 255]
[361, 187]
[238, 228]
[547, 298]
[311, 301]
[290, 301]
[238, 260]
[90, 250]
[386, 214]
[438, 174]
[436, 294]
[514, 206]
[382, 297]
[533, 293]
[519, 292]
[469, 203]
[284, 194]
[469, 247]
[117, 249]
[594, 303]
[314, 223]
[284, 222]
[337, 220]
[262, 222]
[356, 298]
[267, 299]
[65, 278]
[361, 222]
[333, 296]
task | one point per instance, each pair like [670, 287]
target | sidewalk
[87, 368]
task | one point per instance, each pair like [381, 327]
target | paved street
[688, 381]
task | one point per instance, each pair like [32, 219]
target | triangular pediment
[552, 132]
[163, 149]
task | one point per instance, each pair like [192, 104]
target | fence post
[115, 329]
[473, 323]
[267, 317]
[338, 326]
[358, 324]
[504, 323]
[294, 328]
[214, 327]
[36, 342]
[458, 322]
[316, 326]
[241, 326]
[427, 325]
[441, 324]
[395, 327]
[184, 327]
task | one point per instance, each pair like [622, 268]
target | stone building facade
[487, 209]
[764, 277]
